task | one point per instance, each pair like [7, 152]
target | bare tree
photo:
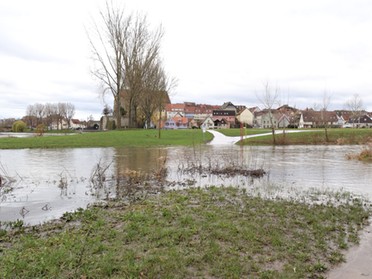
[141, 52]
[268, 100]
[61, 114]
[165, 86]
[355, 105]
[50, 113]
[40, 112]
[324, 114]
[148, 102]
[155, 93]
[108, 52]
[125, 51]
[70, 112]
[31, 116]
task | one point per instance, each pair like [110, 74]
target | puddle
[358, 259]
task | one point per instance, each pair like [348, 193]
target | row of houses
[192, 115]
[63, 124]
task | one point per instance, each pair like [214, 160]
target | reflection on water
[48, 182]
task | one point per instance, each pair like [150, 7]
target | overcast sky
[217, 50]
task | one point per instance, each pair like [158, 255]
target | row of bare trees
[128, 64]
[49, 113]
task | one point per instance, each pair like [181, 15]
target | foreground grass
[213, 233]
[335, 136]
[109, 139]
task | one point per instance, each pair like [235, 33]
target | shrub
[111, 125]
[40, 129]
[19, 126]
[364, 155]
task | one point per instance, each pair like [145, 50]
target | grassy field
[212, 233]
[336, 136]
[246, 132]
[109, 139]
[189, 137]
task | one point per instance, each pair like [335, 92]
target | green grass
[248, 131]
[213, 233]
[181, 137]
[317, 136]
[109, 139]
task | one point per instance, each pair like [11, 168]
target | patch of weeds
[336, 257]
[72, 216]
[12, 225]
[364, 155]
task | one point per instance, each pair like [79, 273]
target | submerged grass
[364, 155]
[206, 233]
[110, 139]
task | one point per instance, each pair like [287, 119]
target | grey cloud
[10, 46]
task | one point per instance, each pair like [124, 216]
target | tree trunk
[118, 113]
[159, 124]
[273, 133]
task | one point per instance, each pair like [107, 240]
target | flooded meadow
[38, 185]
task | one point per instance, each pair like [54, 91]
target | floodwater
[41, 184]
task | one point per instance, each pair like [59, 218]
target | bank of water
[42, 184]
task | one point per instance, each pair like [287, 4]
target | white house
[208, 123]
[246, 117]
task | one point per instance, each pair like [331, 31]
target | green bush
[19, 126]
[111, 125]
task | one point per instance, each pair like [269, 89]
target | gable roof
[175, 107]
[228, 105]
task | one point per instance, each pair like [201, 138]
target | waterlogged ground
[40, 185]
[358, 259]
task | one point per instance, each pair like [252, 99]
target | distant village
[189, 115]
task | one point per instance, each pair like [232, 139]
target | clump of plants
[128, 184]
[231, 169]
[6, 182]
[40, 130]
[364, 155]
